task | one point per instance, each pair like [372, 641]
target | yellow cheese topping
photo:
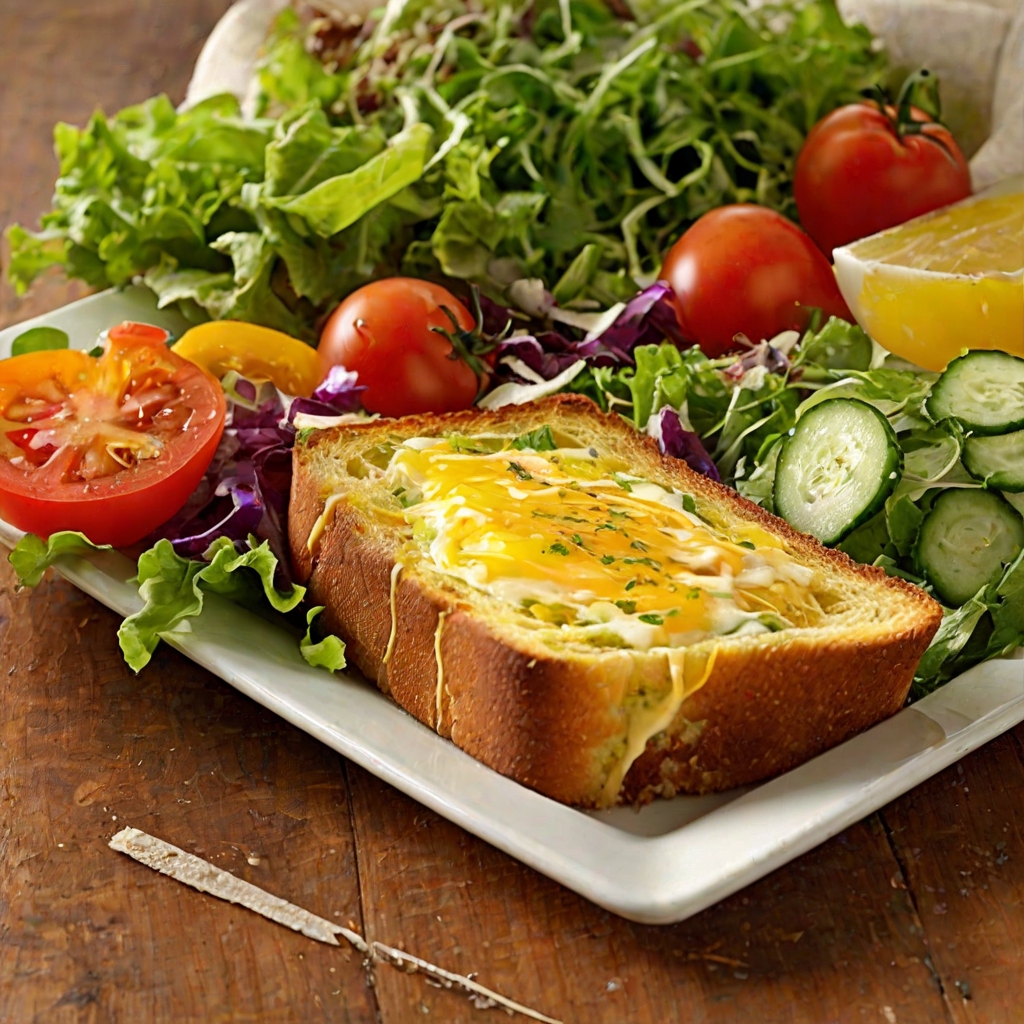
[570, 539]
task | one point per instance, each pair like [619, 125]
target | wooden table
[913, 915]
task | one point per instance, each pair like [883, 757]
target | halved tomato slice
[111, 446]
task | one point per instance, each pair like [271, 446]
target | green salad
[566, 140]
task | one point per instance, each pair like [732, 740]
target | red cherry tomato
[384, 331]
[110, 446]
[857, 175]
[745, 269]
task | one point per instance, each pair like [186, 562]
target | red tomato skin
[745, 269]
[855, 176]
[383, 332]
[121, 511]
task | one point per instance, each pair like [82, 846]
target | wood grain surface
[915, 915]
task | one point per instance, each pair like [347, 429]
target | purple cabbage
[674, 439]
[648, 318]
[337, 394]
[246, 488]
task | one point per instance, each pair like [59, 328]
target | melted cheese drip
[439, 696]
[322, 521]
[569, 540]
[396, 570]
[647, 722]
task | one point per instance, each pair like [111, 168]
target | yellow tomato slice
[255, 352]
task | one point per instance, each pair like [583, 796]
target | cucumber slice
[997, 461]
[836, 469]
[965, 540]
[983, 390]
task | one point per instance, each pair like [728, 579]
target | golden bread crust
[548, 719]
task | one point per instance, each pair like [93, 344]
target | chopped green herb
[622, 481]
[543, 515]
[693, 594]
[607, 559]
[651, 619]
[514, 467]
[540, 440]
[639, 545]
[304, 434]
[577, 540]
[627, 606]
[558, 548]
[631, 584]
[606, 526]
[747, 544]
[689, 505]
[649, 562]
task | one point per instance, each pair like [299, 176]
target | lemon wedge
[950, 280]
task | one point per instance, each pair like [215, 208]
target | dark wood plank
[86, 748]
[960, 837]
[831, 937]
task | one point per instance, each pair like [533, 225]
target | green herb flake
[627, 606]
[639, 545]
[521, 473]
[622, 482]
[607, 559]
[558, 548]
[539, 440]
[651, 619]
[631, 584]
[747, 544]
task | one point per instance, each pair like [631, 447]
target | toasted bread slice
[498, 594]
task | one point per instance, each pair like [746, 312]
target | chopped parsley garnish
[573, 519]
[606, 526]
[540, 440]
[627, 606]
[607, 559]
[631, 584]
[301, 436]
[693, 594]
[514, 467]
[543, 515]
[622, 481]
[651, 619]
[747, 544]
[649, 562]
[618, 515]
[639, 545]
[558, 548]
[577, 540]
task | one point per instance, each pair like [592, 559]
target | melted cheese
[569, 539]
[322, 522]
[647, 721]
[439, 694]
[396, 571]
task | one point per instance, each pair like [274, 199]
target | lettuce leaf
[32, 556]
[173, 590]
[328, 653]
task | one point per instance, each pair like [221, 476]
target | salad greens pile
[743, 408]
[570, 141]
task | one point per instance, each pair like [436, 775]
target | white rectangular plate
[659, 865]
